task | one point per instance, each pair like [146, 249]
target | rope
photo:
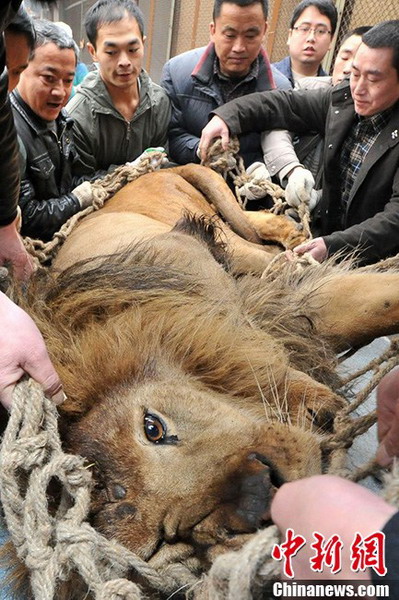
[53, 546]
[103, 189]
[240, 575]
[58, 544]
[228, 162]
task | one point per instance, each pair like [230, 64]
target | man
[298, 165]
[118, 111]
[312, 28]
[50, 190]
[359, 209]
[233, 64]
[11, 247]
[19, 37]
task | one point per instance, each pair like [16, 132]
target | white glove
[315, 197]
[156, 161]
[252, 190]
[300, 187]
[84, 194]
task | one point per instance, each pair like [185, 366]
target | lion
[154, 202]
[194, 393]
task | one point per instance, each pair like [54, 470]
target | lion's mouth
[243, 507]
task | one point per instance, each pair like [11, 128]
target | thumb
[382, 456]
[389, 446]
[225, 139]
[44, 373]
[6, 396]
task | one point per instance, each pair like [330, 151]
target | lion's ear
[75, 408]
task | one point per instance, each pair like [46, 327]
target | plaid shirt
[360, 139]
[232, 88]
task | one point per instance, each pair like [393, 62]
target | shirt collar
[378, 121]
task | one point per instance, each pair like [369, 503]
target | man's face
[309, 47]
[47, 82]
[17, 56]
[344, 59]
[238, 33]
[374, 80]
[119, 51]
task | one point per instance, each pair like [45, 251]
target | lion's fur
[240, 371]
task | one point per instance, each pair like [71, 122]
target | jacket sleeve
[42, 218]
[9, 158]
[278, 152]
[391, 532]
[182, 144]
[300, 111]
[372, 239]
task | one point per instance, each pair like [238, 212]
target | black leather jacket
[9, 171]
[47, 176]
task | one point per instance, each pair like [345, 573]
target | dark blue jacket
[284, 66]
[189, 82]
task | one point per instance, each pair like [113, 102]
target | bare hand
[12, 250]
[388, 418]
[330, 506]
[22, 350]
[316, 248]
[215, 128]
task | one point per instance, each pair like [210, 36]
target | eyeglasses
[305, 29]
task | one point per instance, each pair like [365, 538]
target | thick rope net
[58, 543]
[103, 189]
[229, 163]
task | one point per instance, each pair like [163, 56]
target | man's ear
[266, 28]
[211, 29]
[92, 51]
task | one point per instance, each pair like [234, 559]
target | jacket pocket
[42, 168]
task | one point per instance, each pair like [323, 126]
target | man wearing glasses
[312, 28]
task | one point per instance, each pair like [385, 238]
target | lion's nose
[257, 490]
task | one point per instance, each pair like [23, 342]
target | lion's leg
[247, 257]
[355, 308]
[276, 228]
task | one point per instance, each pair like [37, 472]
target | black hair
[47, 31]
[22, 24]
[217, 7]
[357, 31]
[111, 11]
[385, 35]
[325, 7]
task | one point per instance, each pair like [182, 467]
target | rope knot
[118, 589]
[39, 556]
[69, 534]
[76, 476]
[32, 451]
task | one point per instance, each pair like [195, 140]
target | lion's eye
[154, 429]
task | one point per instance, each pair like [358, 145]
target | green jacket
[102, 135]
